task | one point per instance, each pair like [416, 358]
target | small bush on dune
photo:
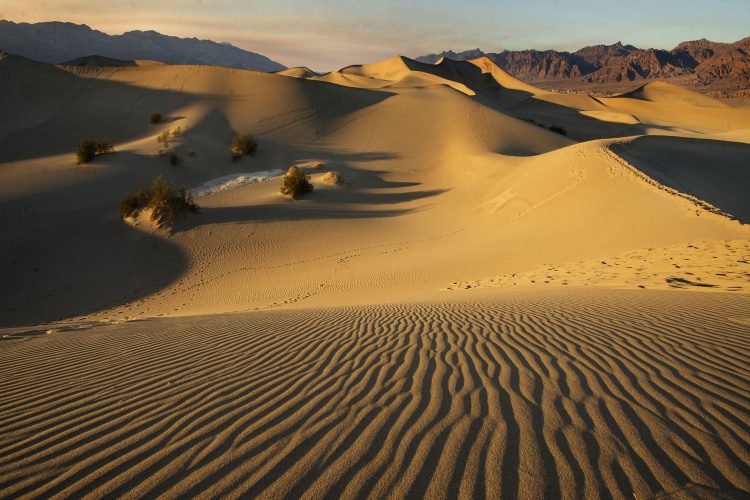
[167, 199]
[174, 159]
[129, 206]
[163, 138]
[154, 118]
[88, 148]
[296, 183]
[164, 199]
[243, 145]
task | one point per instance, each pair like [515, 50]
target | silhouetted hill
[56, 42]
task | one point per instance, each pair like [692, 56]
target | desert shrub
[169, 200]
[191, 152]
[128, 205]
[177, 132]
[143, 195]
[163, 138]
[88, 148]
[154, 118]
[558, 129]
[243, 145]
[174, 159]
[164, 199]
[296, 183]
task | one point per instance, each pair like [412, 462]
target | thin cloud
[329, 34]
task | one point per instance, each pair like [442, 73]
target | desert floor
[481, 307]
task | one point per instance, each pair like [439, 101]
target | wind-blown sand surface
[524, 395]
[477, 307]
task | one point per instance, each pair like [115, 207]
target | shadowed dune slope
[714, 171]
[609, 395]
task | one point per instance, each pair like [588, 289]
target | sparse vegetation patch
[163, 138]
[243, 145]
[88, 148]
[165, 200]
[296, 183]
[154, 118]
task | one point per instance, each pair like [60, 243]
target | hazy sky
[329, 34]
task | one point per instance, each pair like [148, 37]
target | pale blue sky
[328, 34]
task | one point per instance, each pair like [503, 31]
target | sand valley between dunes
[494, 291]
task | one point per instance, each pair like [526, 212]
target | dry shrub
[296, 183]
[243, 145]
[164, 199]
[163, 138]
[88, 148]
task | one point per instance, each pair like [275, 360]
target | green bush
[164, 199]
[154, 118]
[243, 145]
[88, 148]
[296, 183]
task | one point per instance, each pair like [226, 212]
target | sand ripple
[536, 395]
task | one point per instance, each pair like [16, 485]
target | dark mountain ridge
[58, 42]
[701, 61]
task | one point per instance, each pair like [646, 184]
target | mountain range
[57, 42]
[700, 62]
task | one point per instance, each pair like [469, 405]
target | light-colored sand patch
[611, 116]
[331, 178]
[233, 181]
[143, 220]
[310, 165]
[722, 266]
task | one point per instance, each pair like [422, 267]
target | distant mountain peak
[702, 60]
[57, 42]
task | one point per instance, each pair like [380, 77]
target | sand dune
[526, 395]
[720, 266]
[670, 93]
[298, 72]
[464, 315]
[481, 181]
[682, 164]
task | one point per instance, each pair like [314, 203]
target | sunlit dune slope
[444, 180]
[493, 291]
